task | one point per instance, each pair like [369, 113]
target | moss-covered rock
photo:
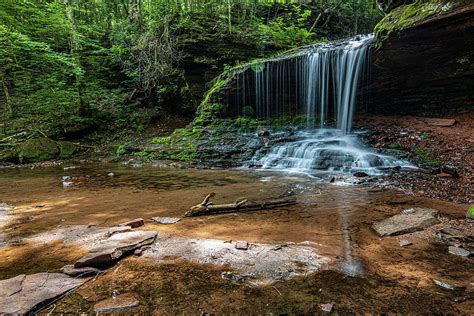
[38, 149]
[8, 155]
[66, 149]
[405, 16]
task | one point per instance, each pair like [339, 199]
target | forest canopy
[70, 67]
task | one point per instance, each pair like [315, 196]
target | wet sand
[334, 219]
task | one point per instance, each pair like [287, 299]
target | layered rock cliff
[422, 62]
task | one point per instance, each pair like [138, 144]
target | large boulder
[43, 148]
[422, 60]
[38, 149]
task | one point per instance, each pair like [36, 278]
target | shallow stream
[327, 230]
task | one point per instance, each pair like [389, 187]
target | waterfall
[321, 83]
[318, 81]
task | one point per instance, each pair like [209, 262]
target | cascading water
[326, 78]
[343, 65]
[326, 150]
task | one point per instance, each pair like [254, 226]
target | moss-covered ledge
[208, 126]
[411, 15]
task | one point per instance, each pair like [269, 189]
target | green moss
[66, 149]
[38, 149]
[409, 15]
[470, 212]
[181, 145]
[245, 123]
[258, 66]
[248, 111]
[425, 156]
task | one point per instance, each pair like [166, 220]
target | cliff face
[423, 60]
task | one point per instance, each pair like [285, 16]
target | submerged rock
[122, 301]
[5, 207]
[27, 293]
[67, 184]
[408, 221]
[115, 247]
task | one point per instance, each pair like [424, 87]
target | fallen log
[206, 207]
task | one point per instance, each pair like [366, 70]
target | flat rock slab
[260, 263]
[27, 293]
[408, 221]
[166, 220]
[115, 247]
[122, 301]
[459, 251]
[439, 122]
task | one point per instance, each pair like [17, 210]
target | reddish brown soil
[433, 147]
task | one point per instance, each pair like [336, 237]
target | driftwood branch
[206, 207]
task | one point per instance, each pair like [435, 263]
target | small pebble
[405, 243]
[242, 245]
[326, 307]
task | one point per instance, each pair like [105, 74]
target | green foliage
[70, 68]
[248, 111]
[120, 150]
[289, 31]
[426, 156]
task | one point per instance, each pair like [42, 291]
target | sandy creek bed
[330, 254]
